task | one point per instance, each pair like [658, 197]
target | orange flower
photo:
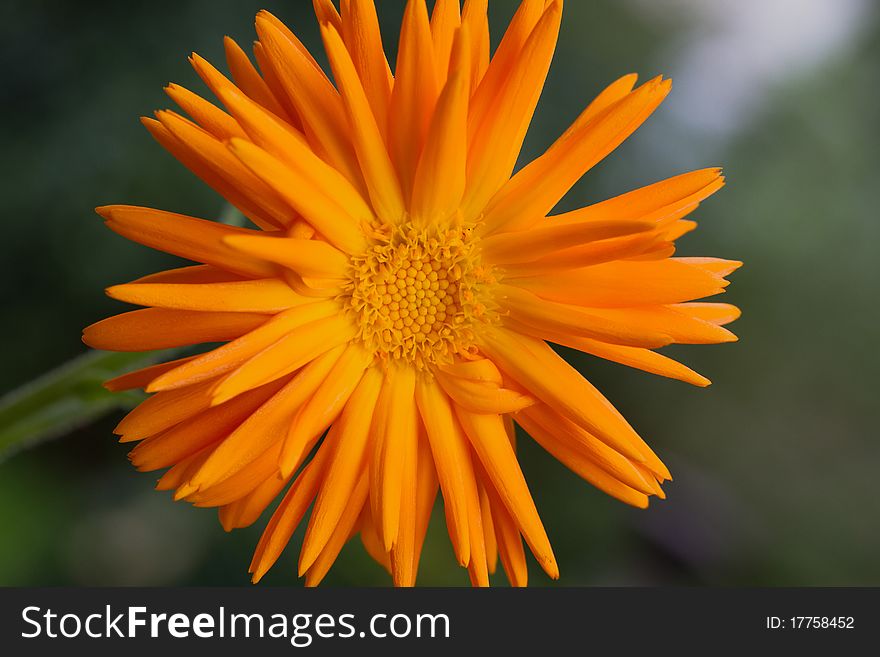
[387, 321]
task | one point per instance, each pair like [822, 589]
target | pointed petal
[451, 456]
[535, 366]
[549, 237]
[203, 170]
[584, 467]
[319, 209]
[381, 178]
[159, 328]
[716, 313]
[626, 283]
[395, 436]
[231, 355]
[266, 295]
[267, 426]
[248, 79]
[596, 323]
[194, 239]
[341, 531]
[140, 378]
[445, 21]
[349, 464]
[414, 94]
[360, 30]
[539, 186]
[496, 140]
[287, 517]
[316, 100]
[489, 439]
[482, 396]
[208, 116]
[324, 406]
[475, 18]
[637, 357]
[219, 161]
[297, 348]
[206, 428]
[440, 178]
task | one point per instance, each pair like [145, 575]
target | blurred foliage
[64, 399]
[774, 464]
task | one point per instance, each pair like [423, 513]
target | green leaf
[65, 399]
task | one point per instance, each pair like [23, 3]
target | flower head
[386, 320]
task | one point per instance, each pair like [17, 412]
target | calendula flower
[387, 320]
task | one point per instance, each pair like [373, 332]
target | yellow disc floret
[419, 294]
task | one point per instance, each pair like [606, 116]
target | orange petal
[381, 178]
[309, 258]
[658, 201]
[549, 237]
[159, 328]
[287, 516]
[217, 159]
[187, 237]
[331, 220]
[539, 186]
[297, 348]
[164, 410]
[440, 179]
[626, 283]
[267, 426]
[596, 323]
[535, 366]
[202, 168]
[584, 467]
[682, 328]
[360, 30]
[609, 95]
[236, 352]
[205, 428]
[323, 406]
[316, 100]
[452, 459]
[141, 378]
[495, 141]
[474, 16]
[548, 427]
[341, 531]
[332, 189]
[246, 511]
[248, 79]
[506, 57]
[482, 396]
[445, 21]
[510, 547]
[208, 116]
[637, 357]
[267, 295]
[489, 439]
[716, 313]
[395, 437]
[350, 443]
[414, 94]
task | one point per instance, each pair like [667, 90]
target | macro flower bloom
[386, 321]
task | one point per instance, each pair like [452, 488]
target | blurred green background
[774, 464]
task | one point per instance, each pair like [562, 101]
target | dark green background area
[774, 464]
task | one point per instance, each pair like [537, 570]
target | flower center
[419, 294]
